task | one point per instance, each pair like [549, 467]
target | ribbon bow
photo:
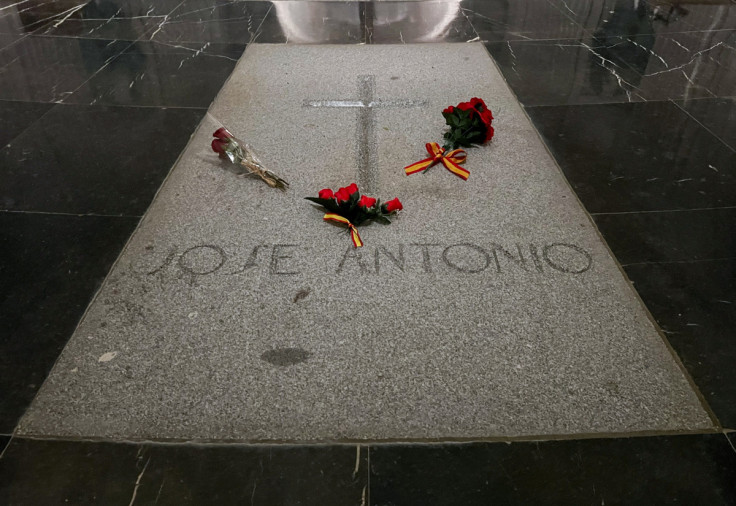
[450, 160]
[357, 242]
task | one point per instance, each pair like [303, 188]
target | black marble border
[683, 469]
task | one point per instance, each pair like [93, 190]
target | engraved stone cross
[366, 149]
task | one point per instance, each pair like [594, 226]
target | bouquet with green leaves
[348, 207]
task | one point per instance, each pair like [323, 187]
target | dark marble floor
[635, 99]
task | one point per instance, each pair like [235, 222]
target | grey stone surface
[366, 146]
[236, 313]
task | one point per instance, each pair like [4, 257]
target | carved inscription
[390, 260]
[467, 258]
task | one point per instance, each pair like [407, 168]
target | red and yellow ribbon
[450, 160]
[354, 235]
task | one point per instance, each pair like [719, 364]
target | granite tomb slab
[489, 308]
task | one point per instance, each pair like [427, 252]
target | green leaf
[355, 197]
[474, 136]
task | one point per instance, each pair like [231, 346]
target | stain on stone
[286, 356]
[106, 357]
[612, 388]
[301, 294]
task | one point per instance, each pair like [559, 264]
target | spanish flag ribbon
[450, 160]
[357, 242]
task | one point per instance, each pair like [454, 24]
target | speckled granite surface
[488, 308]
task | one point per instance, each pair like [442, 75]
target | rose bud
[218, 146]
[326, 194]
[392, 205]
[367, 202]
[222, 134]
[449, 110]
[342, 195]
[352, 188]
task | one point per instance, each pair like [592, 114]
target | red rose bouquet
[239, 153]
[470, 125]
[348, 207]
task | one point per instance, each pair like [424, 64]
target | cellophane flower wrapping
[241, 154]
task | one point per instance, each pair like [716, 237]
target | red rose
[449, 110]
[218, 146]
[222, 134]
[367, 202]
[487, 117]
[475, 105]
[326, 194]
[465, 106]
[475, 102]
[342, 195]
[393, 205]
